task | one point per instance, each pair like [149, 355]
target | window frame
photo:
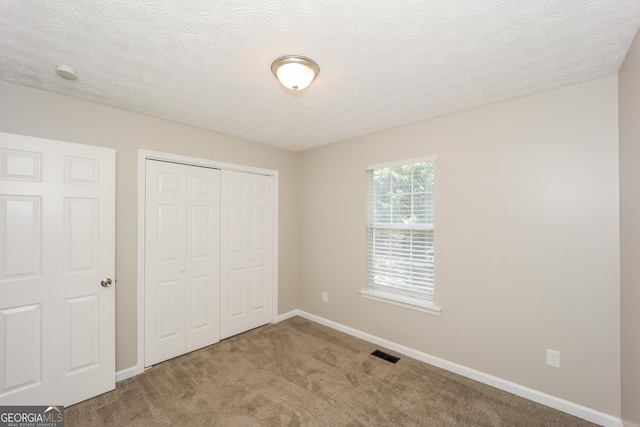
[413, 300]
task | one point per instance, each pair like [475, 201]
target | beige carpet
[300, 373]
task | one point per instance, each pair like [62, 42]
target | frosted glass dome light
[295, 72]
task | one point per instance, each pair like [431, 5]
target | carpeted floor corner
[300, 373]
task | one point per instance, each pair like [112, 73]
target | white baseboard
[126, 373]
[286, 316]
[580, 411]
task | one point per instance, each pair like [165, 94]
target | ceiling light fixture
[295, 72]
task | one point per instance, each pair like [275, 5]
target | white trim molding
[126, 373]
[401, 300]
[571, 408]
[403, 162]
[286, 316]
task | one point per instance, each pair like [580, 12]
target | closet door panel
[258, 289]
[164, 261]
[246, 286]
[203, 258]
[260, 246]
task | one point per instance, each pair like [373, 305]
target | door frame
[143, 156]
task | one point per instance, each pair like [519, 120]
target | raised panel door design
[200, 232]
[20, 336]
[201, 186]
[81, 234]
[57, 242]
[81, 171]
[20, 234]
[171, 182]
[236, 187]
[169, 321]
[237, 229]
[259, 223]
[20, 165]
[181, 259]
[258, 288]
[165, 227]
[247, 252]
[236, 293]
[260, 191]
[82, 316]
[200, 312]
[169, 229]
[203, 257]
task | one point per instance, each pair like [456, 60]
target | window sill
[401, 300]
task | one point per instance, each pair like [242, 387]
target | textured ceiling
[383, 64]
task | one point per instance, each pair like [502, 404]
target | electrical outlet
[553, 358]
[325, 297]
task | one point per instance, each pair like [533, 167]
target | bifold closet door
[182, 267]
[246, 286]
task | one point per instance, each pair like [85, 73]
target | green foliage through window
[401, 223]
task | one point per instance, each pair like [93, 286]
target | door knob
[106, 282]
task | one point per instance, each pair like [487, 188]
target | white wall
[630, 233]
[527, 254]
[46, 115]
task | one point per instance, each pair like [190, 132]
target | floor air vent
[385, 356]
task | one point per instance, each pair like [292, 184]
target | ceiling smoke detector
[66, 72]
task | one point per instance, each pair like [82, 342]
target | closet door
[246, 287]
[165, 240]
[203, 258]
[181, 259]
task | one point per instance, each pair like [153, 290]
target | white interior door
[181, 259]
[246, 287]
[57, 244]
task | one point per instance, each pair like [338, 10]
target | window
[400, 234]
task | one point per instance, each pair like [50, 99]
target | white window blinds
[401, 224]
